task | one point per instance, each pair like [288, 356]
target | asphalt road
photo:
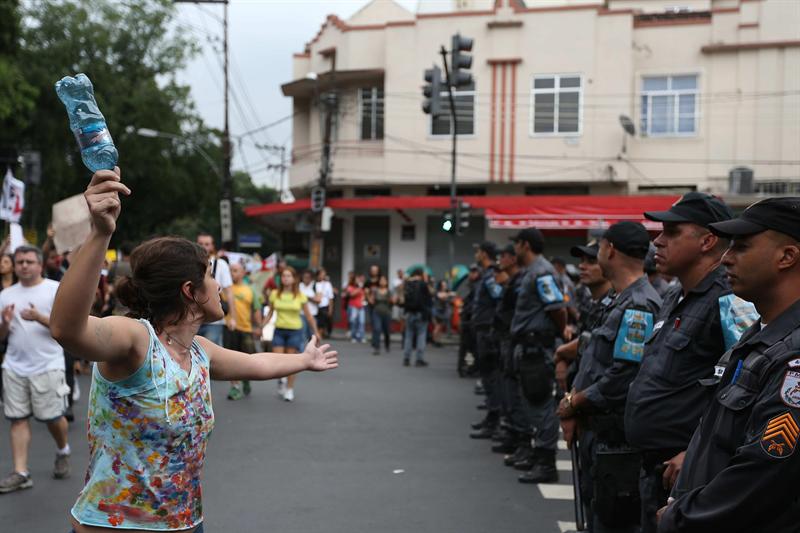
[370, 447]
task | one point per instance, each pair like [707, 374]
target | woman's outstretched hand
[320, 357]
[102, 196]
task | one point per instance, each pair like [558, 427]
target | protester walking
[442, 312]
[287, 303]
[150, 410]
[309, 288]
[381, 300]
[416, 302]
[221, 272]
[34, 381]
[246, 311]
[356, 296]
[324, 290]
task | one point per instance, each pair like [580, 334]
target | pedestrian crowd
[672, 367]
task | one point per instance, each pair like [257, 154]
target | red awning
[573, 212]
[507, 212]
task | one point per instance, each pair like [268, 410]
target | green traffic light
[447, 225]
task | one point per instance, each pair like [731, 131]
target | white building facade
[709, 86]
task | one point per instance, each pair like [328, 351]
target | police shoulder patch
[790, 388]
[780, 436]
[635, 328]
[736, 316]
[548, 289]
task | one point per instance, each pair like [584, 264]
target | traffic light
[448, 225]
[317, 199]
[460, 62]
[462, 217]
[432, 90]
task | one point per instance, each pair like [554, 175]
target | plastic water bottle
[87, 123]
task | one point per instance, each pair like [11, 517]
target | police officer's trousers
[651, 486]
[588, 459]
[512, 407]
[488, 366]
[536, 392]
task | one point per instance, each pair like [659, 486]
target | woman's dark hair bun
[129, 296]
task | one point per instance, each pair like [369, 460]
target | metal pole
[454, 118]
[227, 184]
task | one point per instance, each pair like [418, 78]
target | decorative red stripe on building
[513, 116]
[502, 121]
[492, 123]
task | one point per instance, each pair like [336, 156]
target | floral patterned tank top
[147, 444]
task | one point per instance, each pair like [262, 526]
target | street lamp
[225, 204]
[152, 134]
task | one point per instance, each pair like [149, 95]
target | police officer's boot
[544, 470]
[522, 452]
[509, 444]
[491, 421]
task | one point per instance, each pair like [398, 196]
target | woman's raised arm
[93, 338]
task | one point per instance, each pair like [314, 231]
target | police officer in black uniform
[540, 317]
[466, 342]
[593, 294]
[487, 293]
[517, 425]
[610, 361]
[698, 321]
[742, 468]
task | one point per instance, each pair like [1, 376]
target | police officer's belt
[652, 458]
[547, 341]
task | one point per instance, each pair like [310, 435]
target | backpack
[413, 297]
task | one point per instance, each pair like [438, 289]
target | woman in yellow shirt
[287, 302]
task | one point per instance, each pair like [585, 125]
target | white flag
[13, 199]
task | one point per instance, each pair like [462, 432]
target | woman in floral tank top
[150, 412]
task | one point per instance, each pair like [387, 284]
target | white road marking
[564, 466]
[562, 445]
[566, 526]
[555, 491]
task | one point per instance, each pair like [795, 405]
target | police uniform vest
[742, 468]
[666, 399]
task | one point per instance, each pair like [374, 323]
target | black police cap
[630, 238]
[590, 250]
[508, 249]
[487, 246]
[778, 214]
[532, 236]
[696, 207]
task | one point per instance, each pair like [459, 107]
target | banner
[15, 237]
[71, 223]
[13, 199]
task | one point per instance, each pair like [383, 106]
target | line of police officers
[685, 410]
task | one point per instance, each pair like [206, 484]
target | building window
[465, 113]
[556, 104]
[669, 105]
[371, 113]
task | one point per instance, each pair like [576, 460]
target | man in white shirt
[308, 287]
[324, 290]
[222, 273]
[34, 380]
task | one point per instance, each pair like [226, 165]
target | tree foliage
[132, 52]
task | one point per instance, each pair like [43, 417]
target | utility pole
[328, 103]
[457, 76]
[454, 128]
[227, 229]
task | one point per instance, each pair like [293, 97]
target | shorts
[288, 338]
[241, 341]
[45, 396]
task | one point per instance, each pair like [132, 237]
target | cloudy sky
[263, 36]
